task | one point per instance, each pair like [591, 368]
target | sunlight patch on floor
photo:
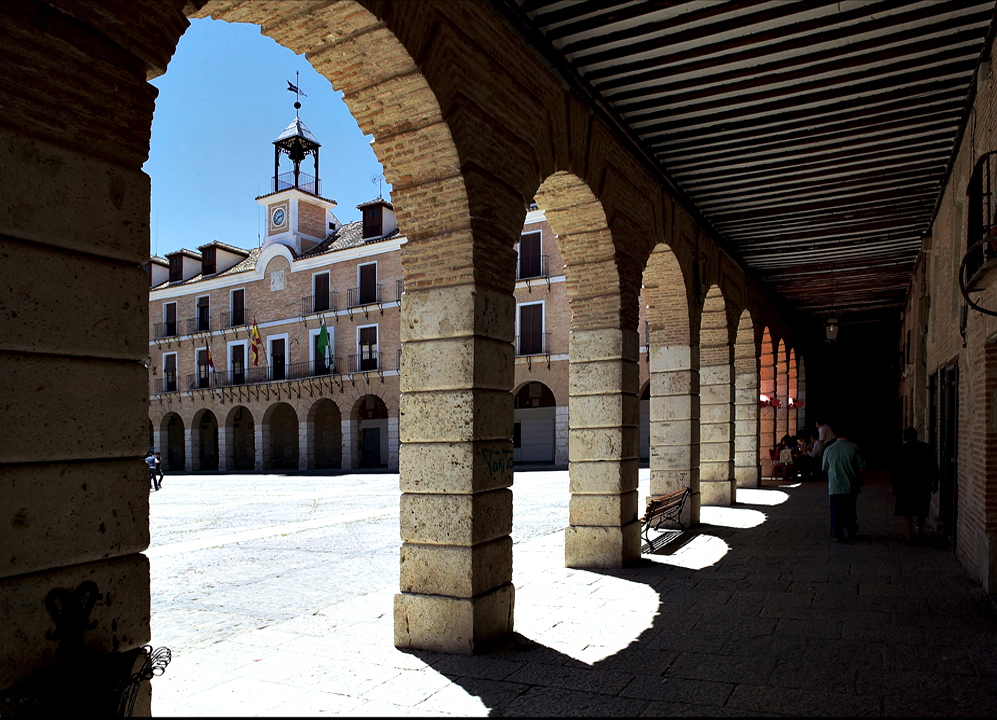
[732, 517]
[700, 552]
[761, 496]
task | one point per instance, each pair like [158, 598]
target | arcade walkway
[757, 612]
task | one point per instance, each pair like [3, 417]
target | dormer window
[372, 221]
[176, 268]
[208, 264]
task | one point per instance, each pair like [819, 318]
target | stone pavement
[756, 612]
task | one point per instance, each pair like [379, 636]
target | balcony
[980, 262]
[305, 182]
[311, 304]
[164, 330]
[205, 379]
[238, 318]
[370, 362]
[360, 296]
[200, 324]
[531, 268]
[533, 344]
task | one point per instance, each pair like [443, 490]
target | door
[371, 447]
[203, 373]
[948, 436]
[170, 372]
[169, 319]
[238, 314]
[529, 256]
[368, 348]
[531, 329]
[321, 295]
[278, 359]
[238, 364]
[203, 315]
[368, 284]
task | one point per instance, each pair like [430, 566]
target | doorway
[948, 446]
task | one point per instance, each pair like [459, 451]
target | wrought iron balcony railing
[533, 344]
[365, 362]
[364, 295]
[319, 303]
[238, 318]
[199, 325]
[306, 182]
[206, 379]
[164, 329]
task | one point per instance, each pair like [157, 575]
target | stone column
[793, 393]
[192, 443]
[766, 415]
[455, 466]
[782, 388]
[262, 441]
[674, 411]
[306, 446]
[349, 460]
[716, 461]
[561, 435]
[226, 458]
[393, 442]
[603, 449]
[747, 471]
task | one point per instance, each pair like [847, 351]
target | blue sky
[221, 104]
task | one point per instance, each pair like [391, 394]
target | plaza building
[216, 403]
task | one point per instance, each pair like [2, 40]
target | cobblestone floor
[276, 594]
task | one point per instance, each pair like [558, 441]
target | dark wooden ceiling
[813, 136]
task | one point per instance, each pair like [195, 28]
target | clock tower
[297, 214]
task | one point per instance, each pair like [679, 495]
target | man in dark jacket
[914, 478]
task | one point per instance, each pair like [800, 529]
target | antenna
[157, 231]
[259, 208]
[376, 178]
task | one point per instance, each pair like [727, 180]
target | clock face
[278, 217]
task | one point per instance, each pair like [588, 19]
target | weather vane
[296, 89]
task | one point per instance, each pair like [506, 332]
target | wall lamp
[831, 329]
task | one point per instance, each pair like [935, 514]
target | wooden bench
[662, 509]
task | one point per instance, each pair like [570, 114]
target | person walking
[845, 466]
[914, 478]
[150, 460]
[159, 471]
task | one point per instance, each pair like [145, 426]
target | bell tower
[297, 214]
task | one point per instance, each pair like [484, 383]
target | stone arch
[716, 449]
[782, 389]
[747, 471]
[324, 447]
[602, 290]
[280, 437]
[766, 413]
[369, 417]
[174, 456]
[241, 451]
[204, 441]
[792, 393]
[801, 392]
[674, 370]
[535, 414]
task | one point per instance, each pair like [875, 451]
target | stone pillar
[747, 471]
[675, 422]
[561, 435]
[262, 446]
[603, 448]
[393, 442]
[793, 393]
[782, 388]
[226, 457]
[716, 449]
[306, 448]
[349, 460]
[766, 415]
[192, 443]
[455, 466]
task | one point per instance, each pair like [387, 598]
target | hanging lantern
[831, 329]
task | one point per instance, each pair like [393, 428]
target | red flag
[207, 350]
[256, 342]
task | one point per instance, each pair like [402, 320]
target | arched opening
[152, 437]
[793, 393]
[674, 369]
[766, 411]
[240, 447]
[280, 427]
[204, 440]
[534, 416]
[370, 417]
[716, 450]
[747, 471]
[325, 428]
[175, 456]
[603, 372]
[782, 390]
[645, 423]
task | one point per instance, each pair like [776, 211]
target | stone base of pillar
[747, 476]
[601, 547]
[453, 625]
[716, 492]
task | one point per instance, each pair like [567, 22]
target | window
[208, 263]
[531, 334]
[169, 319]
[320, 292]
[372, 221]
[368, 283]
[530, 258]
[322, 365]
[169, 372]
[367, 348]
[237, 312]
[203, 314]
[278, 357]
[203, 372]
[176, 268]
[237, 362]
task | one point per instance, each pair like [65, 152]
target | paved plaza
[275, 594]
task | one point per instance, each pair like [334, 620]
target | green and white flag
[323, 345]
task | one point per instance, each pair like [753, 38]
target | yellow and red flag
[256, 343]
[207, 350]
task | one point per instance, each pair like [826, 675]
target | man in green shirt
[844, 465]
